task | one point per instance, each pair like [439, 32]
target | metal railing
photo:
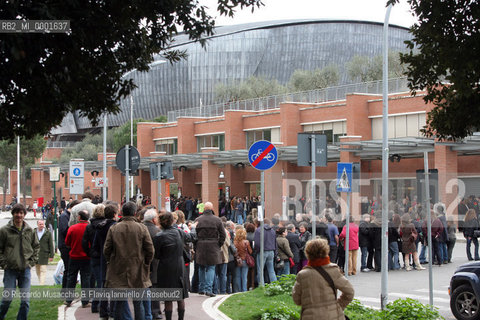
[60, 144]
[272, 102]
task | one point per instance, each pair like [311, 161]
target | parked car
[464, 292]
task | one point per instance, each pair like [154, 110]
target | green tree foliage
[304, 80]
[257, 87]
[253, 87]
[92, 144]
[121, 135]
[45, 76]
[444, 47]
[86, 149]
[363, 69]
[30, 150]
[8, 159]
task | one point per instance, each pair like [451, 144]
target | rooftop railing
[60, 144]
[272, 102]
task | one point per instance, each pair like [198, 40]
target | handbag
[248, 258]
[279, 263]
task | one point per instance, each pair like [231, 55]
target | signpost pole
[312, 161]
[262, 230]
[159, 185]
[127, 173]
[104, 189]
[347, 244]
[55, 215]
[385, 151]
[262, 155]
[429, 227]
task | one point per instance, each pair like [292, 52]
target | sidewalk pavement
[30, 215]
[198, 307]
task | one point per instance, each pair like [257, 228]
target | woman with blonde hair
[409, 235]
[469, 227]
[316, 286]
[243, 248]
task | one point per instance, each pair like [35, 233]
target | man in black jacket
[101, 230]
[62, 233]
[87, 245]
[365, 244]
[211, 235]
[295, 245]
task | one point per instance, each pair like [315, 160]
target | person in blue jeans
[210, 238]
[243, 248]
[393, 238]
[18, 253]
[128, 251]
[239, 210]
[284, 251]
[270, 246]
[220, 283]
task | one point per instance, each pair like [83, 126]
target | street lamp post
[131, 140]
[151, 65]
[385, 151]
[18, 169]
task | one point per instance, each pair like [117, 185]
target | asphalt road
[413, 284]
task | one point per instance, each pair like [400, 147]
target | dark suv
[464, 292]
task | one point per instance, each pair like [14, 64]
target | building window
[400, 126]
[215, 141]
[169, 146]
[333, 130]
[271, 134]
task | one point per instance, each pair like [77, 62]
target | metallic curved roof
[273, 50]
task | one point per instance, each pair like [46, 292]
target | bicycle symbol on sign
[269, 156]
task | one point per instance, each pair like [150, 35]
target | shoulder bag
[329, 280]
[279, 263]
[249, 259]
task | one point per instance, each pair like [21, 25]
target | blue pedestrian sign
[262, 155]
[76, 172]
[344, 177]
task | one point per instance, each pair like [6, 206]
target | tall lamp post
[385, 151]
[151, 65]
[18, 169]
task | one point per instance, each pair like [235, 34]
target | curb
[210, 306]
[68, 313]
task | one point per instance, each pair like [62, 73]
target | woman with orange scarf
[316, 285]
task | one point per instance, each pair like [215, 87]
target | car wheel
[464, 304]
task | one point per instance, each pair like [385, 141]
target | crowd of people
[136, 247]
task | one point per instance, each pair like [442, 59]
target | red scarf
[319, 262]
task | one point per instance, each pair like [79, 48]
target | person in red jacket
[79, 261]
[352, 246]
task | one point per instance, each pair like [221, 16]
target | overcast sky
[370, 10]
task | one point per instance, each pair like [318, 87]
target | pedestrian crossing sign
[344, 177]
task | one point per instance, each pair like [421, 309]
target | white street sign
[76, 186]
[54, 174]
[101, 182]
[77, 169]
[260, 213]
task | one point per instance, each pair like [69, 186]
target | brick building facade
[203, 147]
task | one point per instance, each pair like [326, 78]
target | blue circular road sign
[76, 172]
[262, 155]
